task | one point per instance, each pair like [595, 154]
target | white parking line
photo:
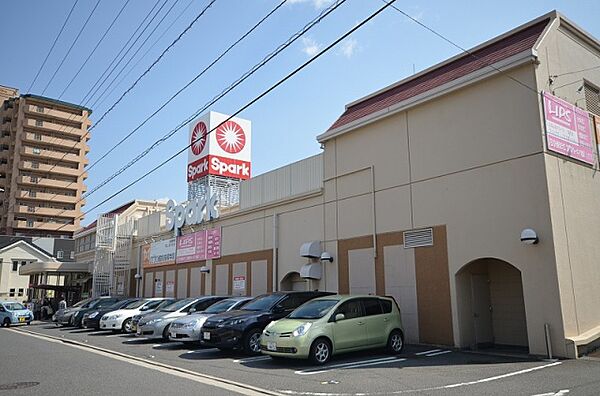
[426, 352]
[251, 359]
[134, 340]
[371, 362]
[116, 335]
[438, 353]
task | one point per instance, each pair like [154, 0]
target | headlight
[76, 314]
[302, 329]
[236, 322]
[191, 324]
[113, 317]
[93, 315]
[153, 321]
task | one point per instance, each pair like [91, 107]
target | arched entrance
[491, 308]
[293, 282]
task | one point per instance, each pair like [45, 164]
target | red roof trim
[495, 52]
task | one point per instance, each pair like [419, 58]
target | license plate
[206, 335]
[21, 319]
[272, 346]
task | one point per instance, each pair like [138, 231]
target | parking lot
[419, 369]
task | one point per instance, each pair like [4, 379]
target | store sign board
[239, 282]
[195, 211]
[199, 246]
[219, 146]
[597, 127]
[568, 130]
[160, 253]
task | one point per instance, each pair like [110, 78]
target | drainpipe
[275, 247]
[373, 214]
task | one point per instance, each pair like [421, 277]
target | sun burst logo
[198, 138]
[231, 137]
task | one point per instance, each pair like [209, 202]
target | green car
[335, 324]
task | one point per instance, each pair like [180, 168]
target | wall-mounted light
[204, 269]
[138, 276]
[326, 256]
[529, 237]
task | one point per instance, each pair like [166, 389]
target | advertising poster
[170, 287]
[191, 247]
[158, 287]
[597, 127]
[239, 282]
[568, 129]
[145, 249]
[161, 253]
[213, 243]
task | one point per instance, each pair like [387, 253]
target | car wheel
[6, 322]
[320, 351]
[165, 334]
[28, 323]
[395, 342]
[126, 327]
[252, 342]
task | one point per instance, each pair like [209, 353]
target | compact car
[120, 320]
[91, 319]
[12, 313]
[335, 324]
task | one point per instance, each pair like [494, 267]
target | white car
[120, 320]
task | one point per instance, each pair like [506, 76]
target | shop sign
[219, 146]
[239, 282]
[597, 127]
[568, 130]
[159, 253]
[199, 246]
[194, 211]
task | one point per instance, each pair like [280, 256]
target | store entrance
[491, 306]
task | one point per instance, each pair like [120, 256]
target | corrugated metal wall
[293, 179]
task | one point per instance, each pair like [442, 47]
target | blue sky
[285, 123]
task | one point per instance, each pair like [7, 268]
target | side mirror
[339, 317]
[278, 309]
[191, 311]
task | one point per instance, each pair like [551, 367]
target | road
[65, 360]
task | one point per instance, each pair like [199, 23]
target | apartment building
[43, 155]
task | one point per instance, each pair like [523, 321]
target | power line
[52, 47]
[154, 63]
[209, 66]
[249, 104]
[135, 53]
[576, 71]
[461, 48]
[95, 48]
[215, 99]
[72, 45]
[147, 51]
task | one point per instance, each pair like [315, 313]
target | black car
[241, 329]
[91, 319]
[96, 304]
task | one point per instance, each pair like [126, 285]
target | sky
[286, 122]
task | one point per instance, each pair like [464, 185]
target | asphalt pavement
[107, 363]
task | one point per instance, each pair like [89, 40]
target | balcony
[52, 127]
[47, 154]
[55, 212]
[39, 225]
[45, 182]
[54, 141]
[39, 196]
[58, 114]
[52, 169]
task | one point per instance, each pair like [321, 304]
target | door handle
[386, 319]
[360, 323]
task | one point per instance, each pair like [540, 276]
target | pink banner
[213, 243]
[568, 130]
[199, 246]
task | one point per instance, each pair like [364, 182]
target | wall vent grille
[418, 238]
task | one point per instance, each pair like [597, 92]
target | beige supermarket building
[422, 192]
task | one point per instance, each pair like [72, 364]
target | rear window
[372, 306]
[386, 305]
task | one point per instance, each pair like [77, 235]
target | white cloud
[310, 47]
[316, 3]
[349, 47]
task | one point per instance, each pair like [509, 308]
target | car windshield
[313, 309]
[221, 306]
[262, 303]
[135, 304]
[81, 303]
[177, 305]
[13, 306]
[120, 304]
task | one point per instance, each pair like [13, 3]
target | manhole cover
[18, 385]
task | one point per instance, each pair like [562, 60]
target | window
[37, 136]
[72, 255]
[351, 309]
[21, 291]
[35, 165]
[39, 123]
[33, 179]
[32, 194]
[293, 301]
[29, 223]
[386, 305]
[31, 209]
[37, 150]
[15, 266]
[39, 109]
[11, 292]
[372, 306]
[60, 254]
[592, 98]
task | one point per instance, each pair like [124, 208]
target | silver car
[187, 329]
[156, 325]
